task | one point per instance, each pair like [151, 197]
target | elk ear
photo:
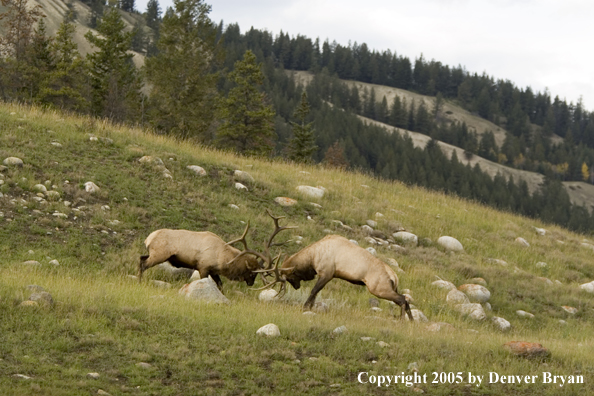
[287, 271]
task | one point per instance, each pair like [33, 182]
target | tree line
[214, 85]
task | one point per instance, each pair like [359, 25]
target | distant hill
[580, 193]
[56, 10]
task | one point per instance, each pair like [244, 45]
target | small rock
[487, 306]
[442, 284]
[472, 310]
[91, 187]
[414, 367]
[587, 245]
[21, 376]
[589, 287]
[476, 293]
[39, 188]
[147, 159]
[382, 344]
[527, 349]
[243, 176]
[546, 280]
[541, 264]
[197, 170]
[43, 298]
[501, 323]
[479, 281]
[315, 205]
[406, 238]
[450, 244]
[241, 187]
[285, 201]
[439, 326]
[524, 314]
[373, 302]
[93, 375]
[563, 322]
[371, 241]
[497, 261]
[366, 338]
[354, 242]
[195, 276]
[268, 295]
[372, 251]
[366, 229]
[455, 296]
[309, 313]
[376, 309]
[270, 330]
[371, 223]
[161, 284]
[144, 365]
[233, 206]
[309, 191]
[540, 231]
[13, 161]
[569, 309]
[321, 306]
[340, 330]
[32, 263]
[522, 242]
[29, 304]
[417, 315]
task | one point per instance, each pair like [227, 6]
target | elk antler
[279, 278]
[246, 249]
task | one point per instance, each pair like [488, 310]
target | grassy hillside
[104, 322]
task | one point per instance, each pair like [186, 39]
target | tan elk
[202, 251]
[336, 257]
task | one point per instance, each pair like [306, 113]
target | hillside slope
[141, 339]
[56, 11]
[580, 193]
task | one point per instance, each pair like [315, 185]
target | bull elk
[202, 251]
[336, 257]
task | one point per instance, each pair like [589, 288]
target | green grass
[104, 322]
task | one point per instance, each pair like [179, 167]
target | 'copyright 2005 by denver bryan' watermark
[461, 377]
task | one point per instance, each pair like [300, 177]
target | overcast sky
[536, 43]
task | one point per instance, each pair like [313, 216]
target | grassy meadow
[104, 322]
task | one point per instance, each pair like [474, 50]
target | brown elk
[336, 257]
[202, 251]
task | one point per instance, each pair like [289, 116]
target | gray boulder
[450, 244]
[204, 290]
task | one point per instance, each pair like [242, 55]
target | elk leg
[218, 281]
[404, 306]
[141, 267]
[322, 280]
[396, 297]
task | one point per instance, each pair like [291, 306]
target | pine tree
[183, 98]
[153, 21]
[303, 144]
[15, 42]
[65, 87]
[127, 5]
[114, 82]
[246, 120]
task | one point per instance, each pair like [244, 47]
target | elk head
[268, 264]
